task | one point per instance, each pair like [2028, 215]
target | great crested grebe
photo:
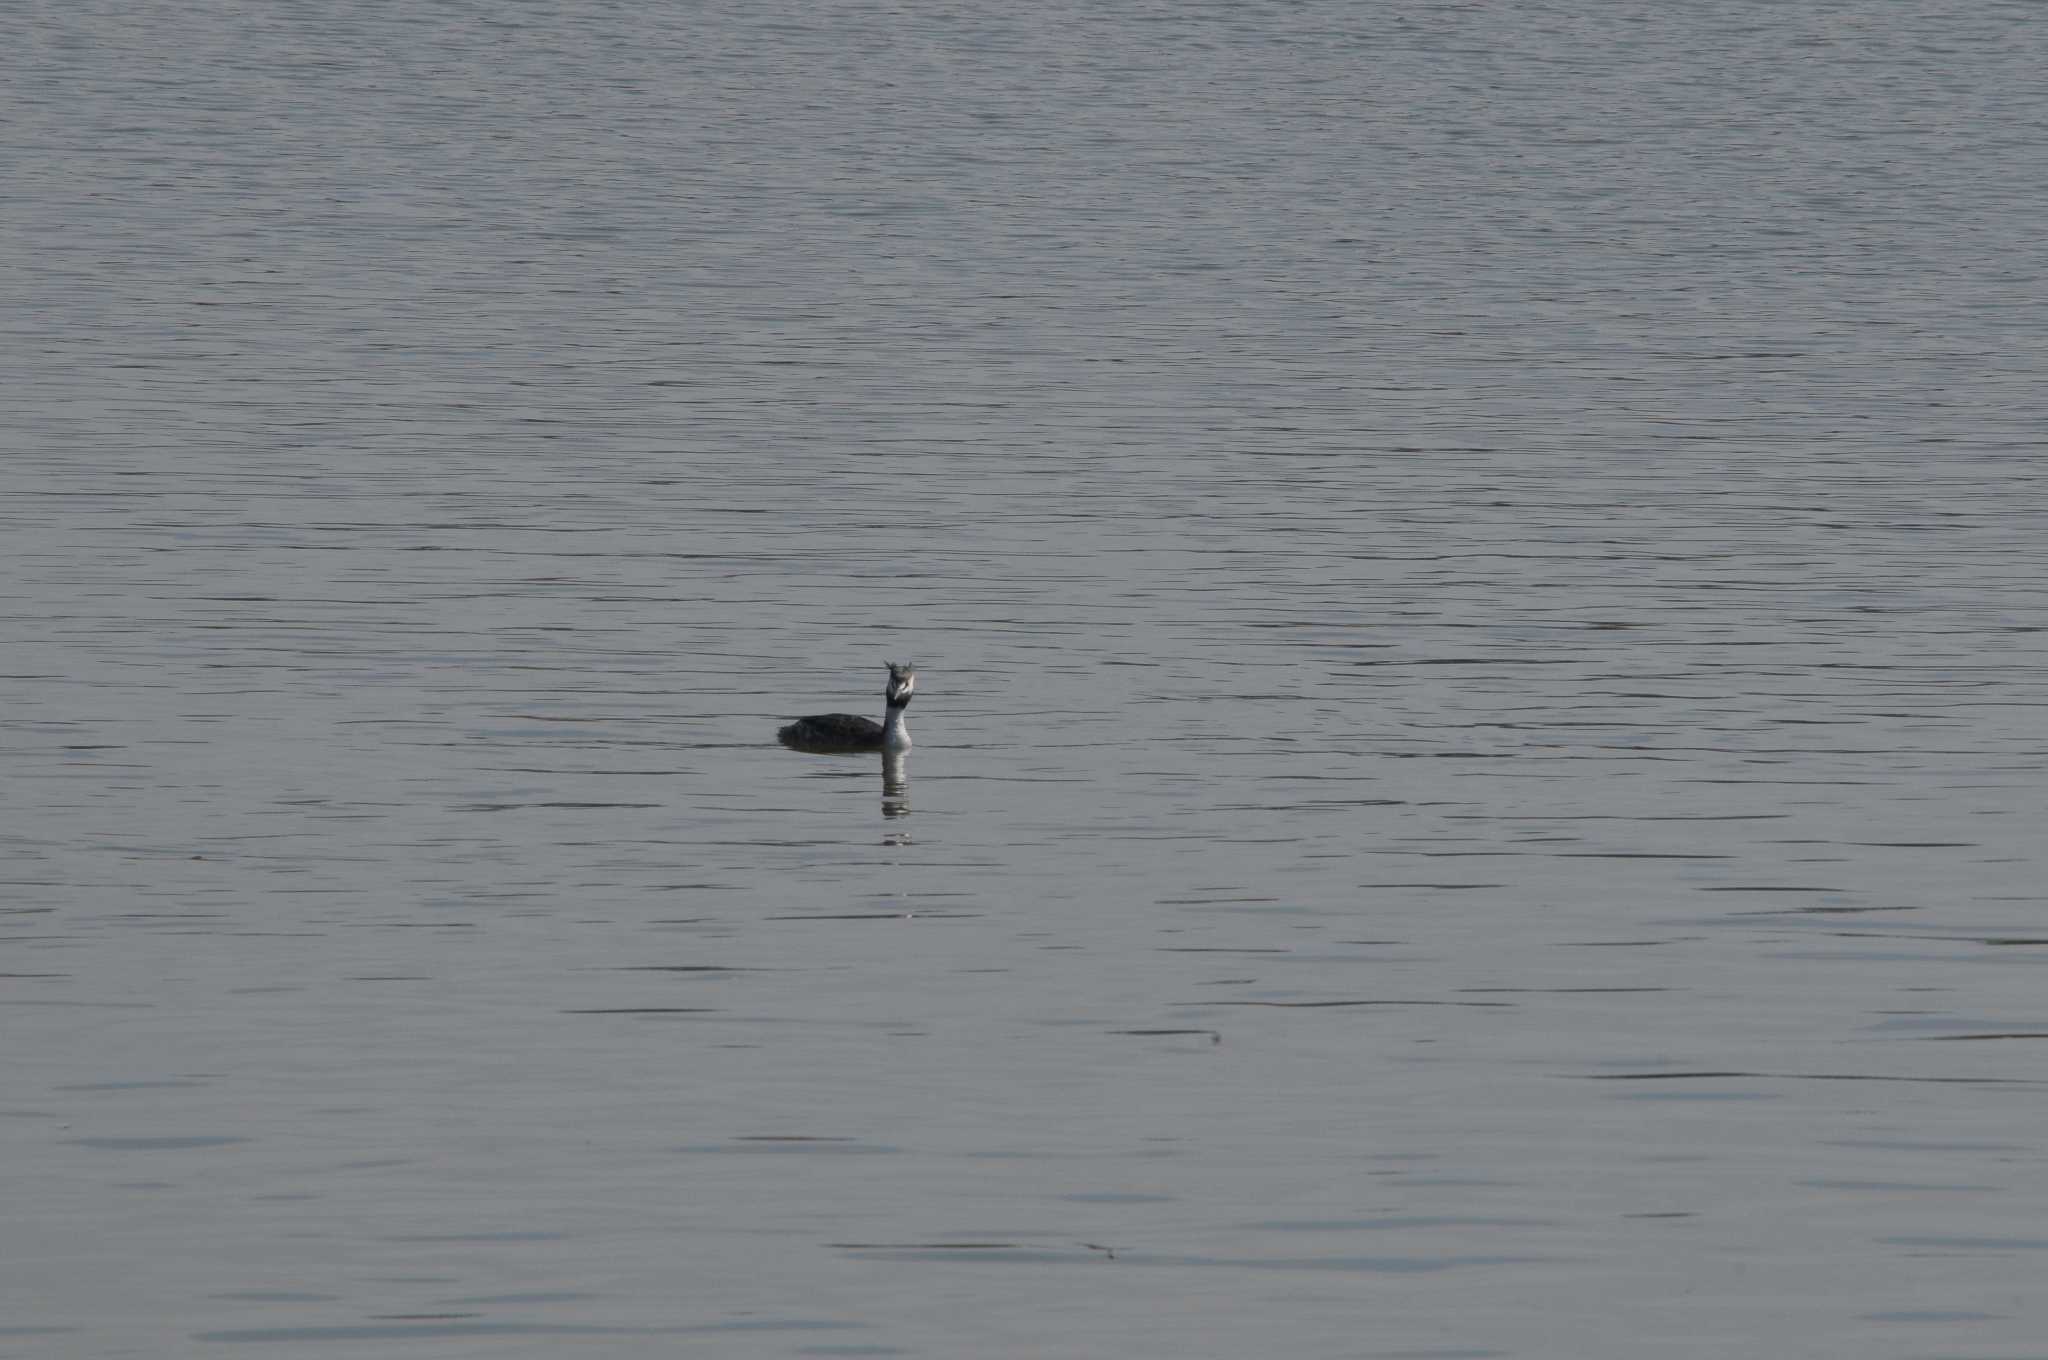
[838, 733]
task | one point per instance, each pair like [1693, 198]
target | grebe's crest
[902, 683]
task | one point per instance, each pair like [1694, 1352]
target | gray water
[1477, 576]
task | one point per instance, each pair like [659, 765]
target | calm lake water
[1482, 737]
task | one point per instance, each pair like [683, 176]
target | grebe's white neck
[895, 731]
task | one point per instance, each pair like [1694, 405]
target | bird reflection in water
[895, 784]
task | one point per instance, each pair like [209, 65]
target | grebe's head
[902, 683]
